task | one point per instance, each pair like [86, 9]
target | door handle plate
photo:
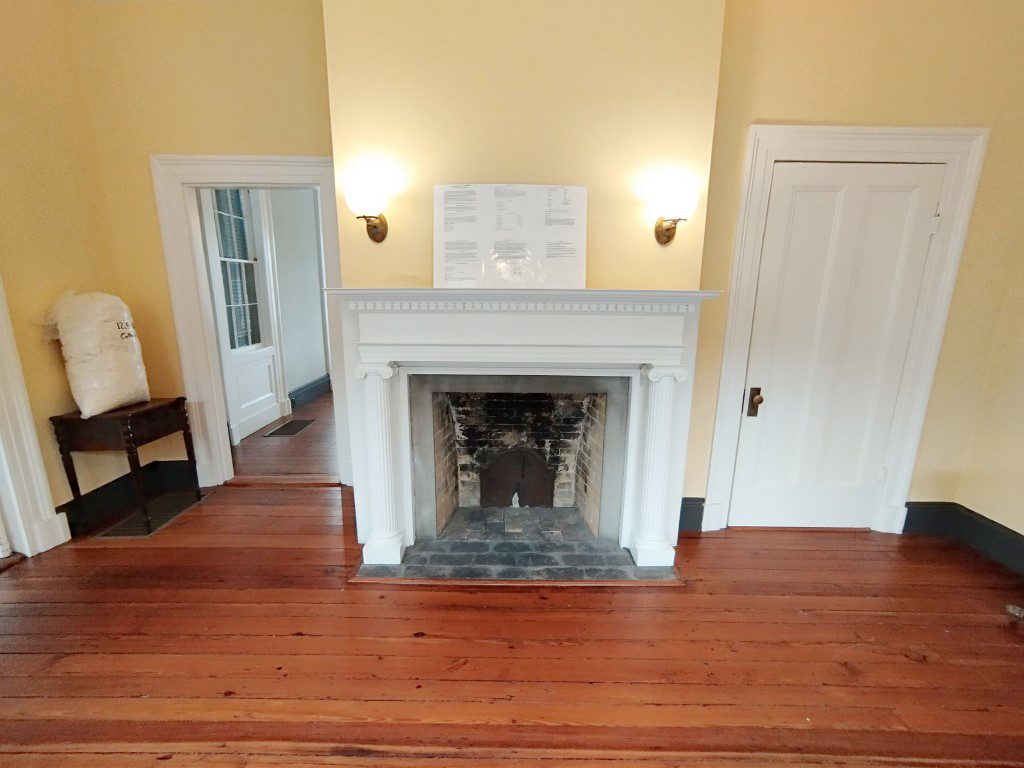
[754, 401]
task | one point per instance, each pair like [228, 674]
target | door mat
[293, 427]
[162, 509]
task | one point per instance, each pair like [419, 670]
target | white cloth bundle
[101, 352]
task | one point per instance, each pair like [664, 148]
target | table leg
[137, 481]
[69, 470]
[190, 453]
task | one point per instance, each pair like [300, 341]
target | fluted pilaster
[653, 543]
[384, 543]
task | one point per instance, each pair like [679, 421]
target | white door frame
[962, 151]
[175, 180]
[27, 512]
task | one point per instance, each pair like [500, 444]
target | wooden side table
[124, 429]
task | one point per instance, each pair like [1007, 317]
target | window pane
[241, 322]
[235, 201]
[234, 288]
[225, 238]
[254, 324]
[232, 329]
[241, 243]
[250, 282]
[220, 200]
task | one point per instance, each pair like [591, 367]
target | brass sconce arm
[665, 230]
[376, 227]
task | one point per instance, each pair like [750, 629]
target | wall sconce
[671, 194]
[369, 182]
[376, 226]
[665, 229]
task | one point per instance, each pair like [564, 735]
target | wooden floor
[313, 451]
[231, 638]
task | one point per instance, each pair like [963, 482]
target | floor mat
[293, 427]
[162, 509]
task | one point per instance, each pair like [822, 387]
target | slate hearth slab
[495, 558]
[472, 572]
[515, 546]
[589, 559]
[563, 546]
[555, 546]
[468, 546]
[515, 573]
[535, 559]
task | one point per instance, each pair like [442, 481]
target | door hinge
[935, 225]
[883, 473]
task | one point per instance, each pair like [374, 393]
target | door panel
[790, 341]
[240, 281]
[844, 251]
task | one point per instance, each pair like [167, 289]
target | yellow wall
[992, 476]
[875, 62]
[526, 91]
[107, 84]
[53, 232]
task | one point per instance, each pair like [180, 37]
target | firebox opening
[555, 443]
[534, 450]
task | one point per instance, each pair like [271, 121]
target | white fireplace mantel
[387, 335]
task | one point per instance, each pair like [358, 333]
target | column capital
[658, 372]
[384, 370]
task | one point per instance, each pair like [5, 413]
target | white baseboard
[49, 533]
[714, 516]
[890, 518]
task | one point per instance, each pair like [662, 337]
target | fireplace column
[653, 544]
[384, 544]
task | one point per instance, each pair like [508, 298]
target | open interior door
[240, 280]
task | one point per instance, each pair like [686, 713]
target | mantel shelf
[588, 301]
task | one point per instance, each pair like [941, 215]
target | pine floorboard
[233, 637]
[310, 456]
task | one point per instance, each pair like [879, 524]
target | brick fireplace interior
[521, 451]
[518, 455]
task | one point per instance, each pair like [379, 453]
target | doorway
[176, 180]
[844, 264]
[265, 265]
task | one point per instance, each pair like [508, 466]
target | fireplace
[422, 368]
[518, 443]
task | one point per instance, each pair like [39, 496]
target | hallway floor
[313, 451]
[233, 637]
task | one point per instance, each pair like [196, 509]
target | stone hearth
[505, 544]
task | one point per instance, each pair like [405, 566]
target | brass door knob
[754, 401]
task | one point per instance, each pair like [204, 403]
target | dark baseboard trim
[692, 516]
[310, 392]
[955, 521]
[113, 501]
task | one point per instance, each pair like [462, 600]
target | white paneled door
[843, 257]
[240, 281]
